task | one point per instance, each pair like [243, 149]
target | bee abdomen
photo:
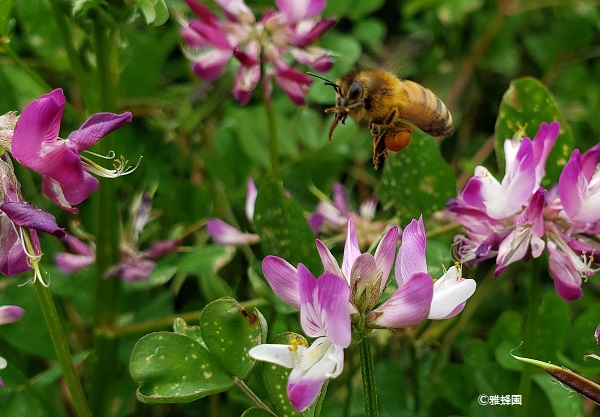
[427, 111]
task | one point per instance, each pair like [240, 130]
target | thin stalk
[273, 142]
[530, 335]
[59, 342]
[367, 371]
[250, 394]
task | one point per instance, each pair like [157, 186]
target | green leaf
[205, 259]
[283, 229]
[525, 105]
[417, 180]
[155, 11]
[171, 368]
[551, 334]
[229, 332]
[256, 412]
[181, 327]
[561, 398]
[275, 378]
[362, 8]
[5, 10]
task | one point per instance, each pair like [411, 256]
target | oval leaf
[229, 331]
[417, 180]
[283, 229]
[525, 105]
[171, 368]
[275, 378]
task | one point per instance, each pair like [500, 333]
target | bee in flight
[390, 107]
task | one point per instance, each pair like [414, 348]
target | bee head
[349, 95]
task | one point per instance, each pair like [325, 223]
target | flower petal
[295, 10]
[69, 262]
[283, 279]
[411, 255]
[567, 281]
[409, 305]
[450, 293]
[10, 314]
[351, 250]
[385, 253]
[28, 215]
[96, 127]
[330, 264]
[225, 234]
[251, 195]
[325, 306]
[272, 353]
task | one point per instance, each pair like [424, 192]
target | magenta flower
[268, 42]
[324, 315]
[66, 175]
[517, 219]
[19, 222]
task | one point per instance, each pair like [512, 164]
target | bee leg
[379, 148]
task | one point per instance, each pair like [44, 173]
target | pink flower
[289, 31]
[66, 175]
[517, 219]
[324, 315]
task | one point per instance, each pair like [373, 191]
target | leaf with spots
[275, 378]
[283, 228]
[525, 105]
[256, 412]
[172, 368]
[230, 331]
[181, 327]
[417, 180]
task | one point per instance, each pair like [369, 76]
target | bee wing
[399, 55]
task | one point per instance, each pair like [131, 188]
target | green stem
[250, 394]
[108, 291]
[273, 141]
[61, 348]
[530, 335]
[367, 371]
[67, 41]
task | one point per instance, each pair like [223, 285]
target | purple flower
[66, 175]
[19, 222]
[324, 315]
[135, 265]
[333, 216]
[268, 42]
[579, 186]
[517, 219]
[417, 296]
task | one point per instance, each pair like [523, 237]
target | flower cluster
[32, 139]
[516, 219]
[359, 284]
[135, 264]
[269, 43]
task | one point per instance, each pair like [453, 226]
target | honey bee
[389, 107]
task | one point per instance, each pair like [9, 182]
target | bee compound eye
[355, 90]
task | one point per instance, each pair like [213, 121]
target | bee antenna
[327, 82]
